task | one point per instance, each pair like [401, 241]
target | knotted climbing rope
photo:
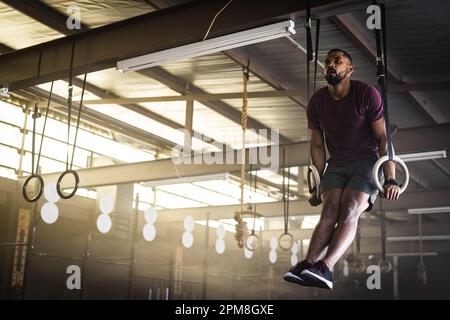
[241, 226]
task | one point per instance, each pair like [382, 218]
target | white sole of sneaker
[328, 283]
[291, 275]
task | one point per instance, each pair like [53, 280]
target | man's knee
[330, 212]
[349, 211]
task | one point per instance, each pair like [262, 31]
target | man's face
[337, 67]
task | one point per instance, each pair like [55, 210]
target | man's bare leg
[352, 204]
[322, 233]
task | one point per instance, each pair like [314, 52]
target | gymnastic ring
[58, 185]
[385, 266]
[376, 168]
[41, 188]
[316, 176]
[291, 241]
[256, 239]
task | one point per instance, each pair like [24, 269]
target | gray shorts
[356, 175]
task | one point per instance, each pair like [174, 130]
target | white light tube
[208, 46]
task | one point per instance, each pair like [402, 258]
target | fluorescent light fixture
[208, 46]
[417, 238]
[429, 210]
[411, 254]
[190, 179]
[423, 156]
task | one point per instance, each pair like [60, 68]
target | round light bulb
[220, 246]
[189, 223]
[187, 239]
[106, 205]
[104, 223]
[248, 253]
[294, 260]
[149, 232]
[345, 269]
[50, 193]
[150, 215]
[220, 231]
[294, 248]
[49, 212]
[273, 243]
[273, 256]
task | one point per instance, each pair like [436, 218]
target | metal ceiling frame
[97, 49]
[157, 73]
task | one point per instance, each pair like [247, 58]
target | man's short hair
[346, 54]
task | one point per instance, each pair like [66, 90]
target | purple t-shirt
[347, 122]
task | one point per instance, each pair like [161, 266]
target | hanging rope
[69, 103]
[285, 211]
[35, 115]
[69, 166]
[241, 226]
[316, 54]
[384, 264]
[34, 170]
[421, 269]
[253, 240]
[380, 37]
[45, 124]
[78, 120]
[286, 236]
[313, 176]
[383, 235]
[254, 189]
[250, 183]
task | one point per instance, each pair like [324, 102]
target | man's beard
[335, 80]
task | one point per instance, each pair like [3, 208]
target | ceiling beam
[303, 208]
[406, 141]
[5, 49]
[101, 120]
[48, 16]
[260, 71]
[98, 48]
[108, 98]
[109, 95]
[422, 86]
[184, 88]
[441, 167]
[428, 138]
[200, 97]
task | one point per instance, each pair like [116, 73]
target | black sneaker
[293, 275]
[319, 275]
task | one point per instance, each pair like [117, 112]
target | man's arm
[318, 150]
[391, 192]
[318, 158]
